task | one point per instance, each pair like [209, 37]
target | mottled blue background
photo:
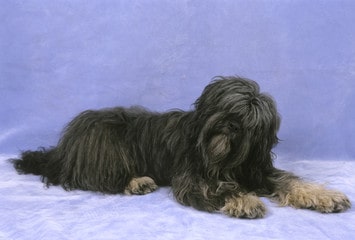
[58, 58]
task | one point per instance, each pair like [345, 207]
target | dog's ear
[212, 144]
[216, 141]
[218, 148]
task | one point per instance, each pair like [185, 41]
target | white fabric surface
[31, 211]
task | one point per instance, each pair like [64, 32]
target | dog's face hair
[239, 124]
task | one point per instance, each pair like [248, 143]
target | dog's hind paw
[245, 206]
[140, 186]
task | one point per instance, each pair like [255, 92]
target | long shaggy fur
[216, 157]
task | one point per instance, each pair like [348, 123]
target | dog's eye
[234, 127]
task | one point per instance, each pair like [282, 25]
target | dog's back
[102, 150]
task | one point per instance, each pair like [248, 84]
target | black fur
[219, 150]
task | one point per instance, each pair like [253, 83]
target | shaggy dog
[216, 157]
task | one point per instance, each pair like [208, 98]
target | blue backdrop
[61, 57]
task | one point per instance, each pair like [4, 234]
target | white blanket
[31, 211]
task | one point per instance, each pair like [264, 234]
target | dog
[216, 157]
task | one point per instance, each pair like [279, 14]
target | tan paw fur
[140, 186]
[315, 197]
[245, 206]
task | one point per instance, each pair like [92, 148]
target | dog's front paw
[330, 202]
[316, 197]
[140, 186]
[244, 206]
[334, 202]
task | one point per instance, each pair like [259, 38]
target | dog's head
[238, 123]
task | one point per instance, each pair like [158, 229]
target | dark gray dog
[216, 157]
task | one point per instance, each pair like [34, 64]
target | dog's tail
[34, 162]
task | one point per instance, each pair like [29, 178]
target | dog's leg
[226, 197]
[292, 191]
[140, 186]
